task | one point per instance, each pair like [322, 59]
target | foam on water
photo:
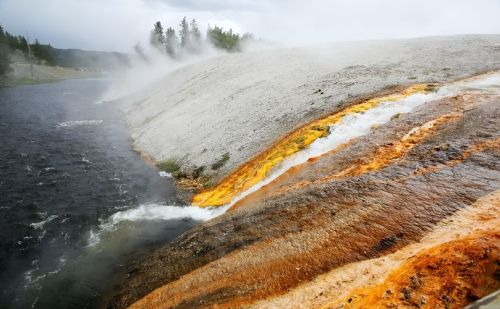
[165, 212]
[85, 160]
[154, 212]
[39, 225]
[77, 123]
[165, 174]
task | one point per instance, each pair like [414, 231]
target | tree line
[9, 43]
[188, 39]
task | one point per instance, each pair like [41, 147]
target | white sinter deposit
[242, 103]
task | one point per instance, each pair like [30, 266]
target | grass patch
[169, 166]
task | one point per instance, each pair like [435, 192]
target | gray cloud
[217, 5]
[119, 24]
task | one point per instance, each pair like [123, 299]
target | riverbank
[23, 73]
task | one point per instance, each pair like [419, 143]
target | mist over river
[66, 167]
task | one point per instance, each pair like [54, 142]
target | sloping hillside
[365, 178]
[237, 105]
[397, 205]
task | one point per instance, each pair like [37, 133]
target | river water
[66, 168]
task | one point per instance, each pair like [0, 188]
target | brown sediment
[259, 167]
[278, 270]
[382, 154]
[270, 189]
[450, 275]
[381, 157]
[271, 267]
[254, 171]
[330, 236]
[335, 286]
[145, 156]
[390, 152]
[477, 147]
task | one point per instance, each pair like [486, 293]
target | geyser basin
[326, 134]
[353, 218]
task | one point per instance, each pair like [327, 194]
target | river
[66, 167]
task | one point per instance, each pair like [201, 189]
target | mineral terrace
[405, 215]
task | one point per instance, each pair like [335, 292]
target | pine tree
[172, 42]
[36, 49]
[3, 38]
[42, 52]
[185, 33]
[4, 53]
[224, 39]
[12, 41]
[195, 36]
[23, 45]
[4, 59]
[157, 38]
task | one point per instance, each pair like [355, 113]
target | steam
[152, 66]
[146, 68]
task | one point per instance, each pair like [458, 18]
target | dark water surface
[66, 165]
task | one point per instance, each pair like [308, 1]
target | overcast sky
[120, 24]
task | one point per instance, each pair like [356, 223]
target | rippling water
[66, 167]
